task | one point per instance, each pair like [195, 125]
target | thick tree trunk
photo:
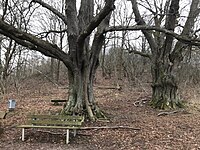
[81, 99]
[85, 59]
[164, 88]
[81, 95]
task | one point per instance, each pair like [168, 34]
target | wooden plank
[54, 122]
[48, 127]
[60, 117]
[58, 100]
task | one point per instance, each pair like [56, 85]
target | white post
[67, 136]
[22, 134]
[74, 132]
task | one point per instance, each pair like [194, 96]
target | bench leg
[22, 134]
[74, 132]
[67, 136]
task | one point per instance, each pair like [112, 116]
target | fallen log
[109, 87]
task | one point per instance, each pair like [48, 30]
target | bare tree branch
[181, 38]
[139, 53]
[140, 21]
[148, 8]
[187, 30]
[5, 9]
[97, 20]
[52, 31]
[133, 49]
[170, 24]
[30, 41]
[56, 12]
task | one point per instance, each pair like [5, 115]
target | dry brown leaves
[170, 132]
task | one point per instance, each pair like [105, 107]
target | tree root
[92, 111]
[99, 114]
[166, 113]
[140, 102]
[165, 104]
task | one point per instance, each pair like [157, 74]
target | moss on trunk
[81, 100]
[165, 93]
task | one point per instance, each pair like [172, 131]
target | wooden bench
[53, 122]
[57, 101]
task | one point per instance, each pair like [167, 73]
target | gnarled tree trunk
[164, 54]
[164, 87]
[81, 97]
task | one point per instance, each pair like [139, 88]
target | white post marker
[67, 136]
[74, 132]
[22, 134]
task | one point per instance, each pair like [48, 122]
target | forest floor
[144, 127]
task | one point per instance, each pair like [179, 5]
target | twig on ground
[109, 87]
[96, 128]
[50, 132]
[109, 127]
[167, 113]
[140, 102]
[92, 128]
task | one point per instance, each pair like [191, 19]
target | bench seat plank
[58, 100]
[54, 122]
[48, 127]
[56, 117]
